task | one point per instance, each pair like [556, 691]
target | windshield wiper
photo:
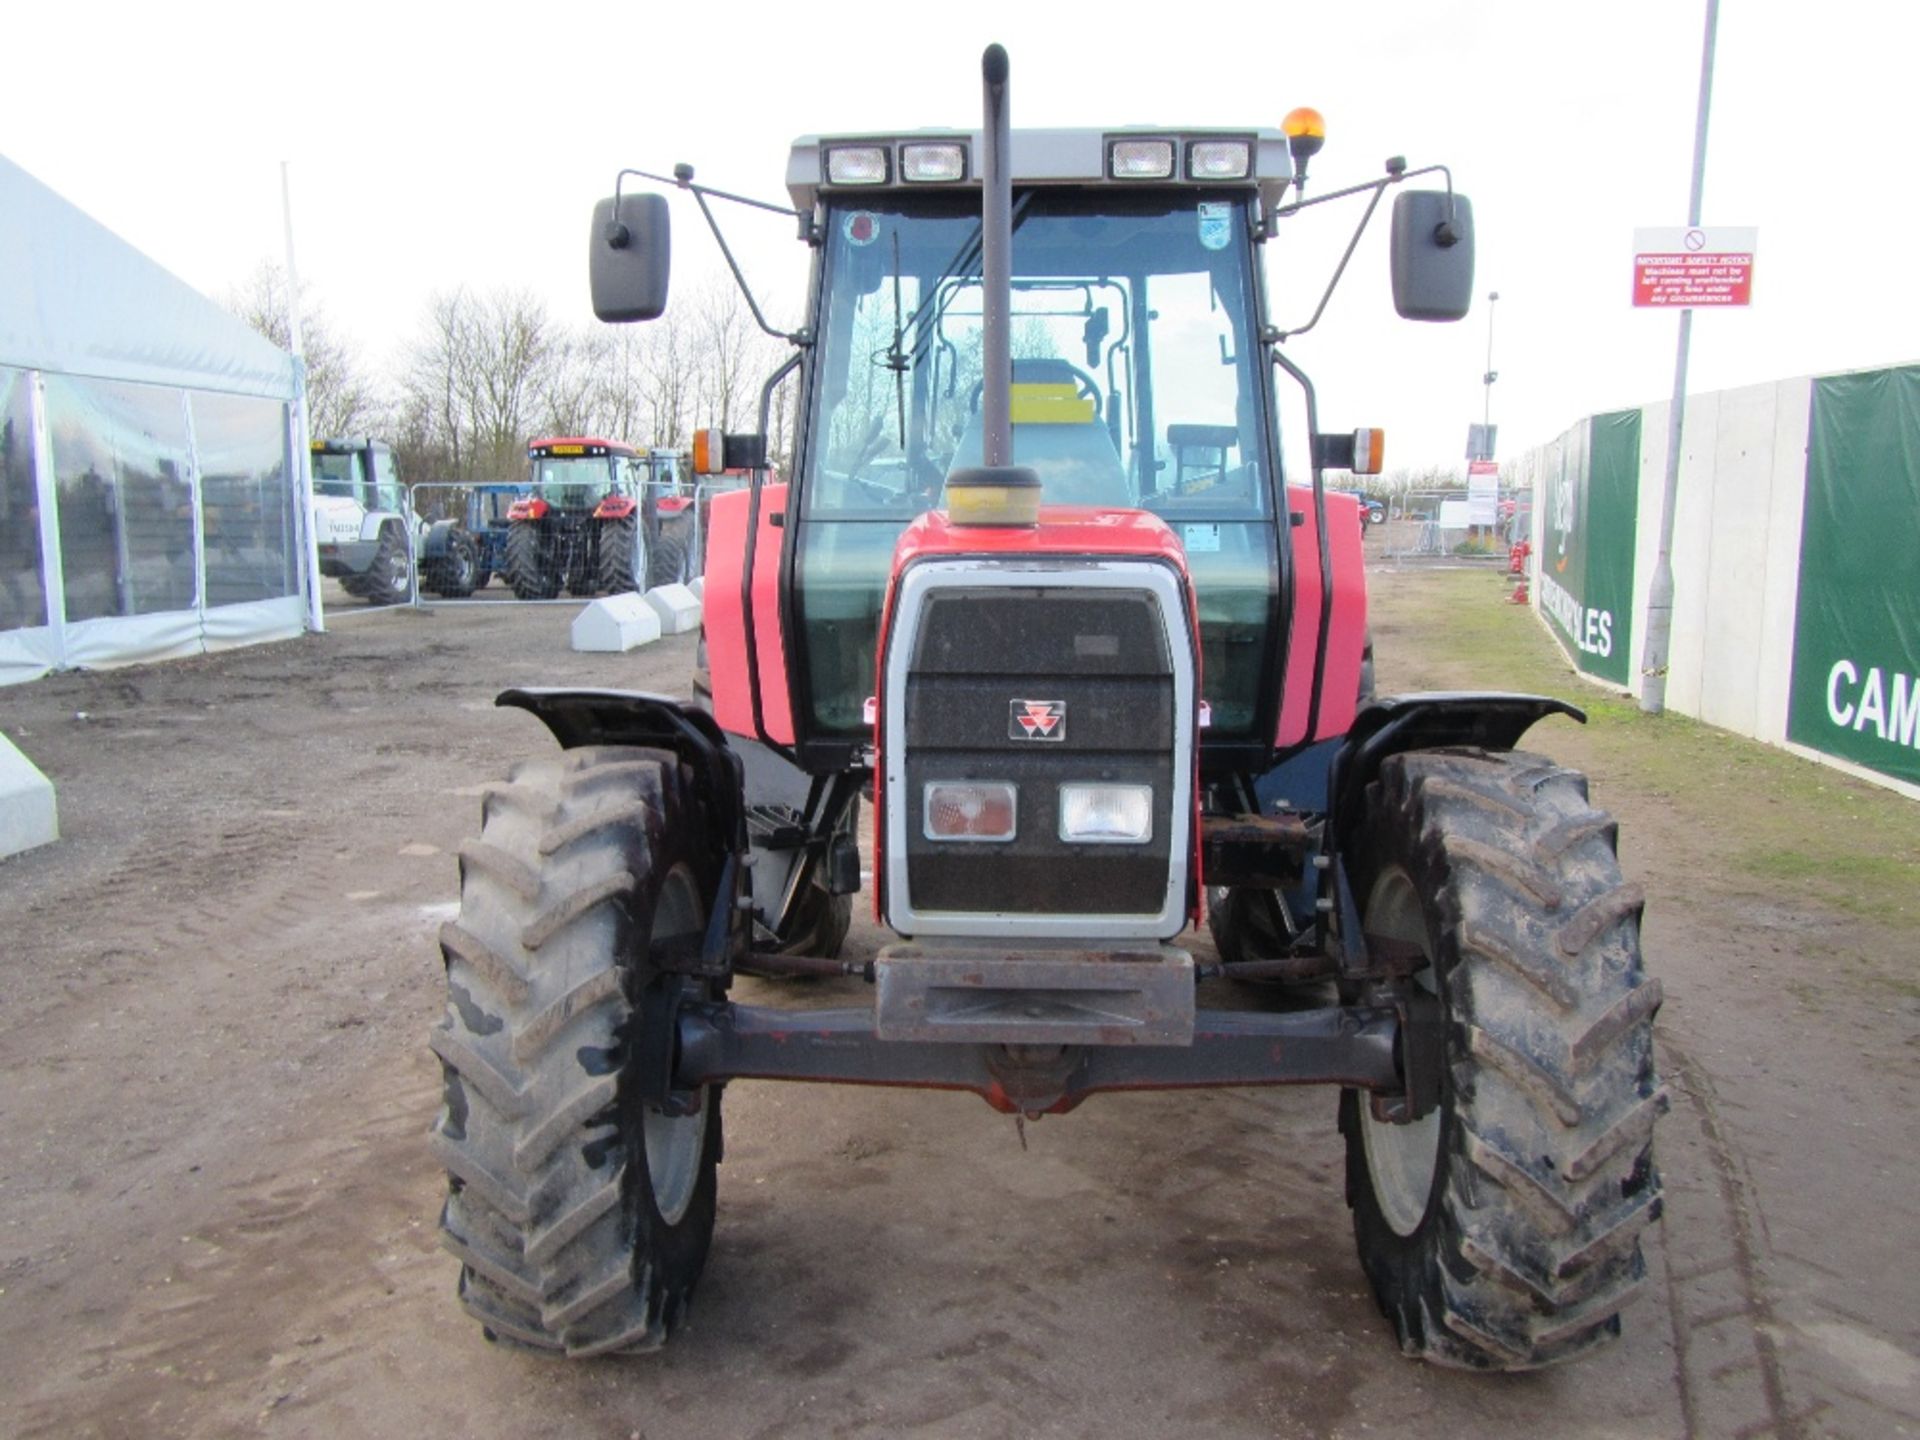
[896, 361]
[967, 257]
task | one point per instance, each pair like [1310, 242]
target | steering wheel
[1085, 386]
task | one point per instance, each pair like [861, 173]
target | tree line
[485, 371]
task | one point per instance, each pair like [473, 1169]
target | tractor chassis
[1354, 1046]
[1036, 1033]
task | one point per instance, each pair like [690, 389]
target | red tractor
[597, 521]
[1096, 664]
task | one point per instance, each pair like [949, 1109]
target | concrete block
[27, 815]
[698, 585]
[677, 606]
[616, 623]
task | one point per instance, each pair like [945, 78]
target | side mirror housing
[628, 258]
[1432, 255]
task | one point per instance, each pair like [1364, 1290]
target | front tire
[530, 568]
[1502, 1230]
[389, 580]
[456, 572]
[667, 561]
[581, 1215]
[620, 563]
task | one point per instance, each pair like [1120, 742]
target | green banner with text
[1586, 574]
[1856, 639]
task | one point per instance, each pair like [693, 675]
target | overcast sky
[435, 147]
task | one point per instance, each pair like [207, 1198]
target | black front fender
[633, 717]
[1396, 724]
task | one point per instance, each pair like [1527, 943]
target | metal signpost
[1653, 688]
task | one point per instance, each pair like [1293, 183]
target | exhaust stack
[996, 263]
[998, 492]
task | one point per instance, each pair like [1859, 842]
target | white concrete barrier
[677, 606]
[616, 623]
[28, 817]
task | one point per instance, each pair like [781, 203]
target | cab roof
[1069, 157]
[586, 445]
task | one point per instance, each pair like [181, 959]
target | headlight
[969, 810]
[857, 165]
[1106, 814]
[933, 162]
[1140, 160]
[1217, 160]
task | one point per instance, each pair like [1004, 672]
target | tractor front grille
[1040, 676]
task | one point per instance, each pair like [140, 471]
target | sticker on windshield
[1202, 539]
[863, 228]
[1216, 224]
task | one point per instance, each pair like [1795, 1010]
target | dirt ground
[217, 1207]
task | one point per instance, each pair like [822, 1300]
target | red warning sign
[1677, 268]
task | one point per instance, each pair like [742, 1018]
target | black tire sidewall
[380, 587]
[462, 567]
[530, 569]
[617, 558]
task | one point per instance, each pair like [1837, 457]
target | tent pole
[302, 456]
[47, 496]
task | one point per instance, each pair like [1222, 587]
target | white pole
[302, 457]
[1653, 671]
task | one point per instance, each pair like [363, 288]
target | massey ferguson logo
[1037, 720]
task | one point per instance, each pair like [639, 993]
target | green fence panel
[1856, 640]
[1586, 576]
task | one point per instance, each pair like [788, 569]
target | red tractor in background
[1097, 663]
[599, 520]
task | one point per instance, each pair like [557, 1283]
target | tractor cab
[579, 475]
[357, 470]
[1137, 380]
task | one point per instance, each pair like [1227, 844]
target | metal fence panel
[566, 557]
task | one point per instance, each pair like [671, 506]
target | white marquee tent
[150, 503]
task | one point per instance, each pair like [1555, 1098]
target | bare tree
[340, 400]
[670, 381]
[485, 371]
[727, 338]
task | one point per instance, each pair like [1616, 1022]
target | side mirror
[628, 257]
[1432, 255]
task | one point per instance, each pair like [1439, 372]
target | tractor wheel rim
[675, 1143]
[1402, 1160]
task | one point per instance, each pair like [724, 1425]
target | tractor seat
[1057, 435]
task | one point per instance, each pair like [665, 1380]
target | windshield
[1136, 382]
[1133, 371]
[572, 481]
[336, 475]
[343, 475]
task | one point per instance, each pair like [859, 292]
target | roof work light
[1219, 159]
[922, 163]
[857, 165]
[1140, 160]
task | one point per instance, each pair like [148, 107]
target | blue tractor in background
[487, 523]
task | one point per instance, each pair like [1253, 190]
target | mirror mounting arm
[682, 178]
[1396, 172]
